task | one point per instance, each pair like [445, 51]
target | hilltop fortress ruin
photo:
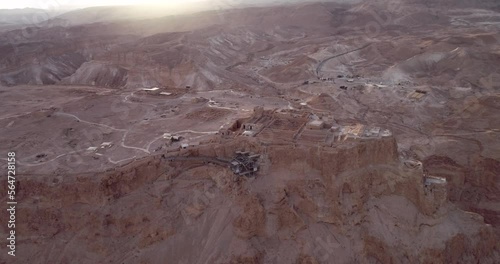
[296, 132]
[275, 176]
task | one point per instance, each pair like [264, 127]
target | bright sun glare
[53, 4]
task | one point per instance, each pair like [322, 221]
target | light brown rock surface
[305, 206]
[425, 70]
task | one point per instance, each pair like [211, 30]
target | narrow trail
[222, 107]
[217, 161]
[477, 142]
[127, 100]
[321, 64]
[122, 144]
[48, 161]
[120, 161]
[196, 132]
[90, 123]
[14, 116]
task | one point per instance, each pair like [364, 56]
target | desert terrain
[375, 122]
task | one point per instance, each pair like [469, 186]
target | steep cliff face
[332, 161]
[43, 70]
[98, 74]
[473, 189]
[352, 203]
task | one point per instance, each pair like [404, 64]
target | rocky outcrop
[99, 74]
[307, 205]
[473, 189]
[43, 71]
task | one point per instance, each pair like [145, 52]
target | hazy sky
[56, 4]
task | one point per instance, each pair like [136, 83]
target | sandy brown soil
[428, 73]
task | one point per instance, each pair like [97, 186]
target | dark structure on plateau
[245, 163]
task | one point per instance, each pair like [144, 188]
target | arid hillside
[366, 132]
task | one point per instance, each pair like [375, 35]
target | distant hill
[120, 13]
[26, 16]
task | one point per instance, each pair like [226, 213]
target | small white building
[386, 133]
[251, 127]
[316, 124]
[106, 145]
[248, 133]
[151, 89]
[170, 137]
[336, 128]
[430, 180]
[375, 130]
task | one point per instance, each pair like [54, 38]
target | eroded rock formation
[353, 203]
